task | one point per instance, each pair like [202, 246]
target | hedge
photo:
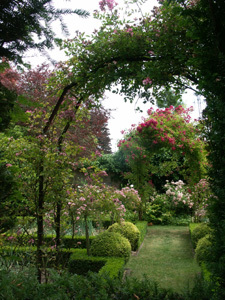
[66, 241]
[77, 260]
[205, 272]
[198, 232]
[80, 263]
[142, 227]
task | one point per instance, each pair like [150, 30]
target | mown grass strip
[166, 257]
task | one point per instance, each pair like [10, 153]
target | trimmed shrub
[113, 267]
[80, 263]
[142, 227]
[111, 244]
[129, 231]
[199, 232]
[66, 241]
[25, 256]
[83, 266]
[202, 251]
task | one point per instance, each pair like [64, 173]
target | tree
[48, 161]
[26, 25]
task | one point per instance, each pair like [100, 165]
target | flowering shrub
[178, 197]
[129, 197]
[200, 195]
[174, 202]
[166, 131]
[131, 200]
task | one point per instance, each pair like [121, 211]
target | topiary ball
[110, 244]
[202, 251]
[199, 232]
[129, 231]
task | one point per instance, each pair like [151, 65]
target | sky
[123, 114]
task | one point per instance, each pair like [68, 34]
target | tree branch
[57, 106]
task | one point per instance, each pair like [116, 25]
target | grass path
[166, 256]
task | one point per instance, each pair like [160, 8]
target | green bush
[65, 286]
[113, 267]
[129, 231]
[111, 244]
[157, 213]
[80, 263]
[181, 220]
[7, 223]
[66, 241]
[202, 251]
[142, 227]
[26, 256]
[83, 266]
[199, 232]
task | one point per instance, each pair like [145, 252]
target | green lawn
[167, 257]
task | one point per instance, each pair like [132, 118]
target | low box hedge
[66, 241]
[76, 260]
[80, 263]
[27, 255]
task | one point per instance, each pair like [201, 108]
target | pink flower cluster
[178, 193]
[130, 31]
[110, 3]
[149, 123]
[147, 81]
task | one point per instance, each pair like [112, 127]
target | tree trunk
[40, 227]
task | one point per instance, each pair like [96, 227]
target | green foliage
[83, 266]
[81, 263]
[76, 242]
[113, 267]
[114, 164]
[7, 101]
[9, 196]
[142, 227]
[18, 258]
[32, 19]
[182, 220]
[203, 249]
[111, 244]
[65, 286]
[157, 213]
[129, 231]
[199, 232]
[166, 97]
